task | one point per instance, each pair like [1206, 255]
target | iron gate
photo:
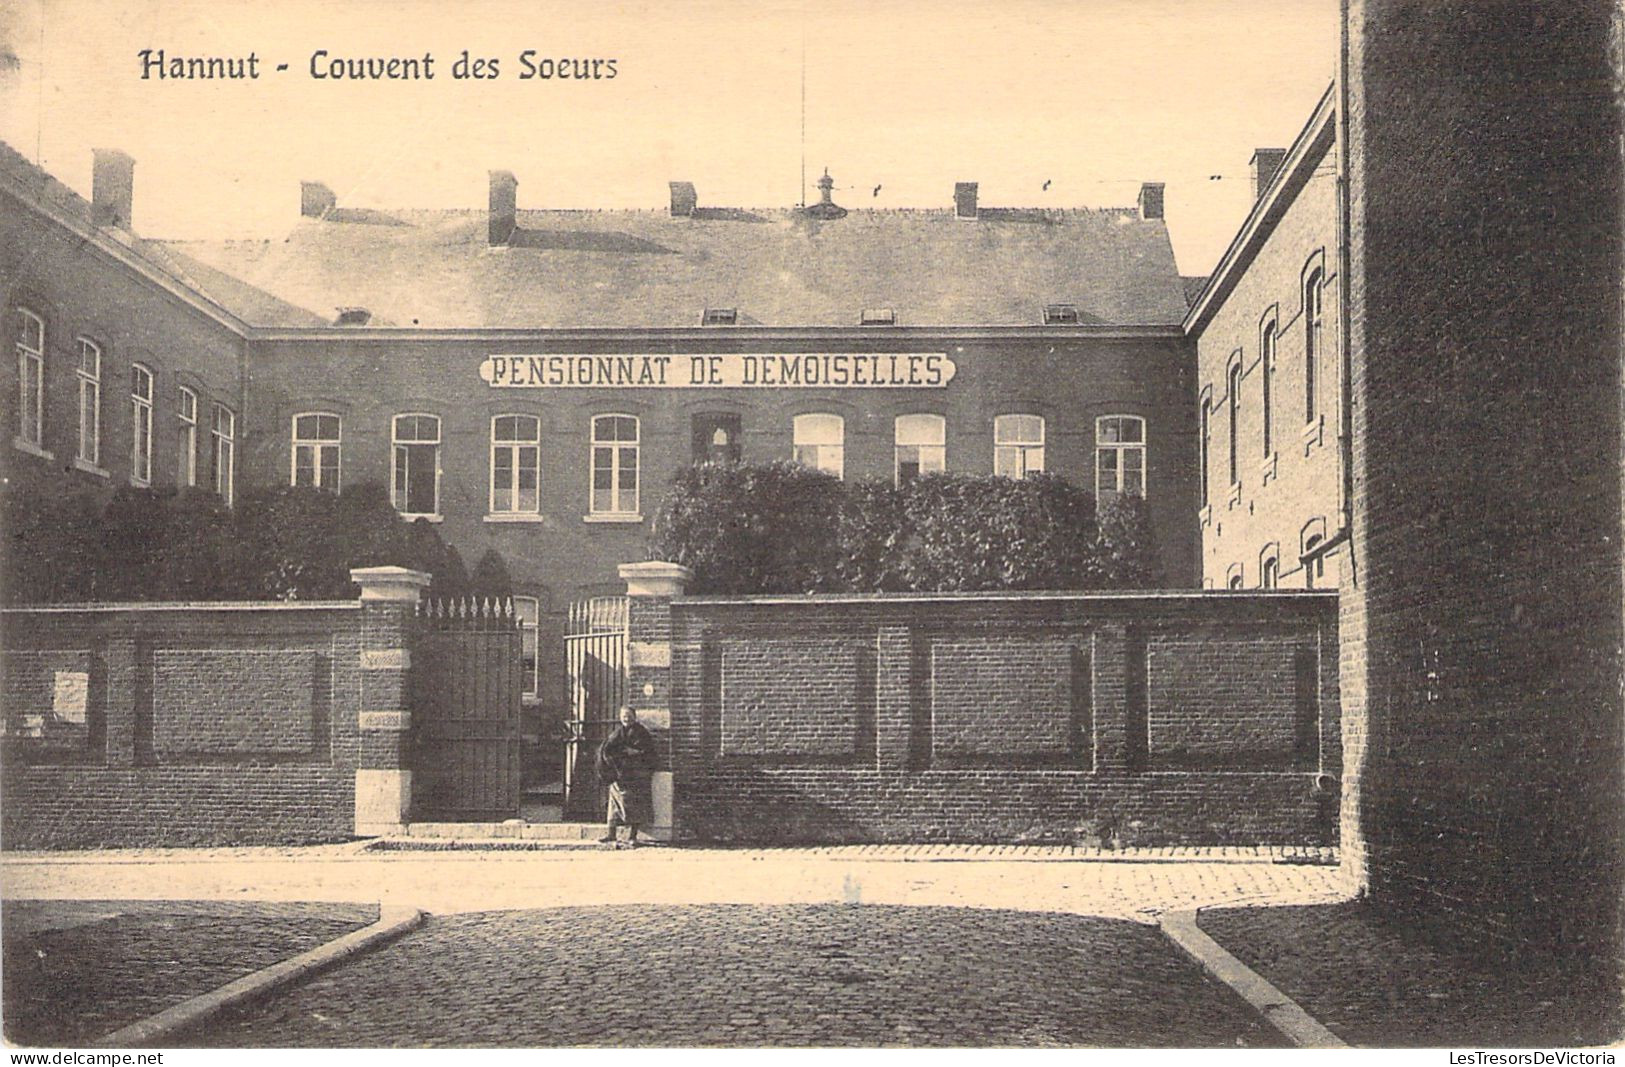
[466, 676]
[595, 650]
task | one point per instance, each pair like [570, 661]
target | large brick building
[531, 380]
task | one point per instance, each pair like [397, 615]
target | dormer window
[1061, 315]
[720, 317]
[877, 317]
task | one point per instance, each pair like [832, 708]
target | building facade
[531, 381]
[1270, 378]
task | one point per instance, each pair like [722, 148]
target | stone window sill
[1205, 516]
[1314, 434]
[90, 468]
[626, 517]
[1235, 494]
[514, 516]
[412, 516]
[1268, 469]
[22, 444]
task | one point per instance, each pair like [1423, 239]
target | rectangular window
[1266, 368]
[186, 464]
[715, 437]
[315, 457]
[416, 464]
[516, 449]
[921, 446]
[30, 378]
[140, 425]
[1120, 454]
[614, 465]
[819, 442]
[528, 609]
[1018, 445]
[225, 451]
[90, 402]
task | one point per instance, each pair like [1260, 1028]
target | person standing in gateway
[626, 763]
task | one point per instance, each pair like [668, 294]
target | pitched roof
[647, 269]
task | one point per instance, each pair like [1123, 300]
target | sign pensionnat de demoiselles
[839, 370]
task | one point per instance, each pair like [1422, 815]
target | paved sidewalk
[451, 882]
[77, 970]
[822, 975]
[1375, 984]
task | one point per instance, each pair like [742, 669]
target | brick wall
[1285, 494]
[1141, 719]
[1482, 643]
[181, 724]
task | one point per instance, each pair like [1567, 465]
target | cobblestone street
[751, 975]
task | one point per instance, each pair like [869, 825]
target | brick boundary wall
[203, 724]
[1147, 719]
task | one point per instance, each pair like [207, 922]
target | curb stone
[1279, 1010]
[392, 922]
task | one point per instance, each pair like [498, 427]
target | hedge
[159, 544]
[783, 528]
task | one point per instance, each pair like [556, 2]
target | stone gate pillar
[650, 588]
[383, 776]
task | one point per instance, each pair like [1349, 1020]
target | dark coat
[627, 756]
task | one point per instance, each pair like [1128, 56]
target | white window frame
[90, 402]
[1121, 449]
[141, 423]
[529, 635]
[811, 431]
[400, 449]
[316, 446]
[515, 447]
[936, 450]
[30, 380]
[223, 432]
[186, 413]
[1026, 454]
[616, 448]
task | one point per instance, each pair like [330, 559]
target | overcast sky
[1091, 96]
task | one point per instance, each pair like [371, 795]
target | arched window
[1233, 578]
[819, 442]
[1266, 369]
[1206, 442]
[1312, 337]
[225, 452]
[186, 458]
[415, 464]
[30, 378]
[921, 446]
[1018, 445]
[1310, 542]
[140, 425]
[1120, 454]
[90, 402]
[1235, 419]
[516, 449]
[614, 465]
[315, 457]
[1269, 567]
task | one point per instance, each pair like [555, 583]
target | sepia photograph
[811, 525]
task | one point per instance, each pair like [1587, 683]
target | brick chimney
[315, 200]
[1266, 161]
[112, 187]
[964, 200]
[504, 206]
[1151, 200]
[683, 199]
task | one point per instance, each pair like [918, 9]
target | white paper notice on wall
[71, 696]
